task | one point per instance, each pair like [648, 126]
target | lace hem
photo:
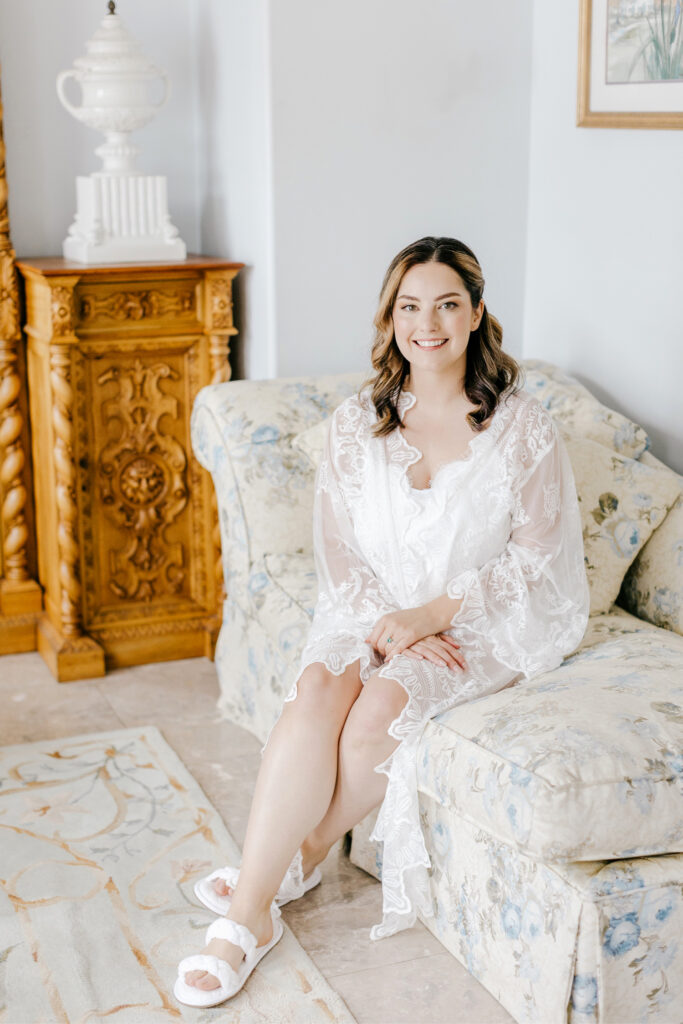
[431, 689]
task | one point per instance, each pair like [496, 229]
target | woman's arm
[348, 589]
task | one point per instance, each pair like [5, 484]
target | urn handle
[61, 79]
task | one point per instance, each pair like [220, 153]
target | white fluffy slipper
[293, 886]
[231, 981]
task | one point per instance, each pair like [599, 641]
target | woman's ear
[477, 314]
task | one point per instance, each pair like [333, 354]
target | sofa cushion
[622, 502]
[569, 402]
[581, 763]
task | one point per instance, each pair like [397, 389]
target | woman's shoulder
[527, 415]
[355, 412]
[531, 432]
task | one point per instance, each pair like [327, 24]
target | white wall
[605, 246]
[235, 178]
[47, 147]
[390, 121]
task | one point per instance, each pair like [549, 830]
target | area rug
[102, 837]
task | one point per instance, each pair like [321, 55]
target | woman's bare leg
[293, 789]
[363, 744]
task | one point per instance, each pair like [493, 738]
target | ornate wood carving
[136, 305]
[62, 310]
[65, 481]
[221, 303]
[141, 476]
[220, 318]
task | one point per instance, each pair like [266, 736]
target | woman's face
[433, 317]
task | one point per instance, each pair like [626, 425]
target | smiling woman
[433, 590]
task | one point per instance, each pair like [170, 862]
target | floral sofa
[553, 810]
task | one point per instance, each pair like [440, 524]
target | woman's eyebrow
[413, 298]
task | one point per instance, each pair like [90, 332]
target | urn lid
[112, 50]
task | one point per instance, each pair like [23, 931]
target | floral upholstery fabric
[581, 940]
[653, 587]
[554, 942]
[244, 432]
[531, 766]
[569, 402]
[622, 502]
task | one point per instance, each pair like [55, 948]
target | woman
[450, 564]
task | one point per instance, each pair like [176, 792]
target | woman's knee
[379, 704]
[320, 691]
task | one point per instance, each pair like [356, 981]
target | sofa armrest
[213, 454]
[242, 432]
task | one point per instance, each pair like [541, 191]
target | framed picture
[631, 64]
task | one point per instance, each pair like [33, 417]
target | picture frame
[630, 66]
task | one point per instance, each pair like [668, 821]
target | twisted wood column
[14, 493]
[65, 486]
[20, 595]
[221, 326]
[12, 428]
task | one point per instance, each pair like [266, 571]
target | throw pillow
[312, 441]
[622, 502]
[570, 403]
[653, 587]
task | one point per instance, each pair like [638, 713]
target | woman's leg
[294, 787]
[363, 744]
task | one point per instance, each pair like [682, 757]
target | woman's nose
[429, 321]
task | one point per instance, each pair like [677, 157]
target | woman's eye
[450, 305]
[409, 306]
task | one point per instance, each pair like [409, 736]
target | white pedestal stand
[122, 218]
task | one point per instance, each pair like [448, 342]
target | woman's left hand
[398, 630]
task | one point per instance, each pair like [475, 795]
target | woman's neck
[437, 392]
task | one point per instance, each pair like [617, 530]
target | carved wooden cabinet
[128, 540]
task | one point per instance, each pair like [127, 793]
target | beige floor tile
[37, 707]
[172, 691]
[432, 990]
[333, 923]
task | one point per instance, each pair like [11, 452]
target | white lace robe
[499, 528]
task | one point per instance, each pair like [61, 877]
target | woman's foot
[310, 858]
[261, 926]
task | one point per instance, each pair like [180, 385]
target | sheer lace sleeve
[348, 589]
[527, 608]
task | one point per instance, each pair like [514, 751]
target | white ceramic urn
[122, 215]
[117, 83]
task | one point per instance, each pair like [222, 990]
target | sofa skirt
[595, 942]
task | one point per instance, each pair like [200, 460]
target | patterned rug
[102, 837]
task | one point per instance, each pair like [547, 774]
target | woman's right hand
[440, 648]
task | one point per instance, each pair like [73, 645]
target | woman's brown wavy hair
[489, 373]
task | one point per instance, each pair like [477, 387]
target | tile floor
[406, 978]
